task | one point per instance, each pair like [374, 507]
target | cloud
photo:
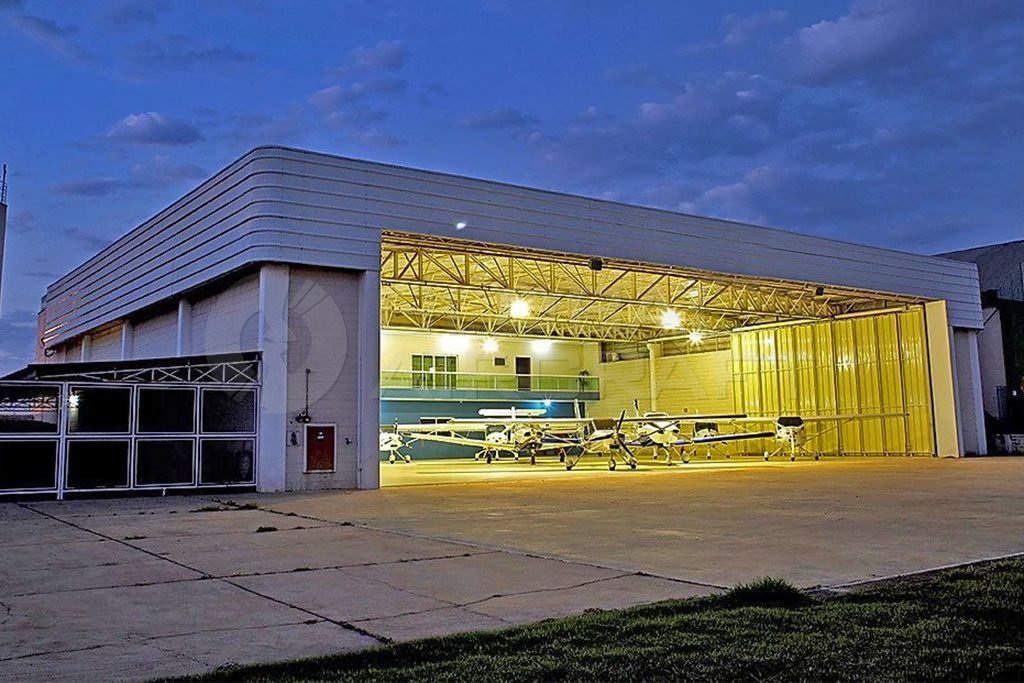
[87, 238]
[90, 187]
[177, 52]
[158, 172]
[739, 30]
[153, 128]
[891, 36]
[330, 99]
[51, 35]
[127, 15]
[386, 55]
[498, 118]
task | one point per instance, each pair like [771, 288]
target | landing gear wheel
[568, 467]
[488, 458]
[476, 457]
[408, 458]
[817, 456]
[611, 465]
[533, 459]
[632, 465]
[391, 458]
[686, 460]
[766, 456]
[561, 455]
[792, 458]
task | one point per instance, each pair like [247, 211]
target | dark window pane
[163, 462]
[166, 410]
[229, 412]
[93, 410]
[226, 462]
[29, 410]
[28, 464]
[97, 464]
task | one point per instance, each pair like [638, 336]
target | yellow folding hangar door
[866, 365]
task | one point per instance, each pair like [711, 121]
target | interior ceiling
[435, 283]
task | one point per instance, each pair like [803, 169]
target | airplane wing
[684, 418]
[456, 440]
[722, 438]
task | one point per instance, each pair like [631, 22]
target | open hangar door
[472, 329]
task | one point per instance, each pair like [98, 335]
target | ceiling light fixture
[670, 319]
[695, 337]
[490, 346]
[519, 309]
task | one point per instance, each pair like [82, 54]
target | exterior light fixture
[461, 225]
[670, 319]
[490, 345]
[519, 309]
[73, 401]
[695, 337]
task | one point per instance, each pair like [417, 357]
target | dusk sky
[892, 123]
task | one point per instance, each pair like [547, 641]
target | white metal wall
[226, 321]
[283, 205]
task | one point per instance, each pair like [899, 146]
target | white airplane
[518, 432]
[788, 431]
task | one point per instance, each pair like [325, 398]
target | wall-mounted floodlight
[73, 400]
[670, 319]
[519, 309]
[461, 225]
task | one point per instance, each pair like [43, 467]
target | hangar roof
[277, 204]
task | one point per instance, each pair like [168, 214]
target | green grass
[962, 624]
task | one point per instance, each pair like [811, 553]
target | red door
[319, 448]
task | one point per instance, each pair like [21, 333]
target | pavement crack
[343, 624]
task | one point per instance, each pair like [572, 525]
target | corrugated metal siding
[155, 337]
[693, 383]
[227, 321]
[106, 345]
[277, 204]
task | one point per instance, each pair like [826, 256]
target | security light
[461, 225]
[73, 401]
[519, 309]
[670, 319]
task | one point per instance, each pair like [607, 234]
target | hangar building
[261, 329]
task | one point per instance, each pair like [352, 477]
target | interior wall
[689, 383]
[549, 357]
[876, 364]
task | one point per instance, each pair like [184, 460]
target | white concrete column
[653, 351]
[183, 344]
[273, 343]
[127, 339]
[368, 389]
[86, 351]
[970, 401]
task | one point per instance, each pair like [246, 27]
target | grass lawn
[959, 624]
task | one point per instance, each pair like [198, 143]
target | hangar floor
[137, 588]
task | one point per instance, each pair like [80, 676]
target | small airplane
[518, 432]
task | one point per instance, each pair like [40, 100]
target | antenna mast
[3, 186]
